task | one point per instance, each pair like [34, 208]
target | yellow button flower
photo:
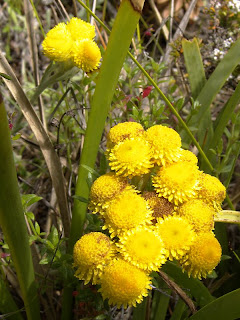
[177, 235]
[91, 254]
[143, 248]
[131, 158]
[105, 189]
[126, 212]
[80, 29]
[212, 191]
[199, 214]
[165, 143]
[58, 43]
[177, 182]
[203, 257]
[186, 155]
[124, 284]
[86, 54]
[123, 131]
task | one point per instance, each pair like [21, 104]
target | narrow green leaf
[4, 75]
[29, 199]
[227, 216]
[178, 310]
[139, 312]
[226, 307]
[194, 65]
[194, 286]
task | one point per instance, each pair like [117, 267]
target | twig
[159, 18]
[171, 284]
[45, 144]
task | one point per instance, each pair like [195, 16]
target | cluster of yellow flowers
[73, 43]
[174, 220]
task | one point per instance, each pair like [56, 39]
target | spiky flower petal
[91, 254]
[126, 212]
[58, 43]
[161, 207]
[123, 131]
[199, 214]
[177, 235]
[177, 182]
[86, 54]
[143, 248]
[204, 255]
[165, 143]
[104, 189]
[212, 191]
[124, 284]
[80, 29]
[131, 157]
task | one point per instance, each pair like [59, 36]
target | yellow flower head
[86, 54]
[131, 157]
[203, 257]
[165, 143]
[177, 235]
[143, 248]
[212, 191]
[91, 254]
[199, 214]
[161, 207]
[104, 189]
[124, 284]
[186, 155]
[126, 212]
[122, 131]
[177, 182]
[80, 29]
[58, 43]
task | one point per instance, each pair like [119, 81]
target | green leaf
[226, 307]
[4, 75]
[29, 199]
[82, 199]
[228, 216]
[194, 65]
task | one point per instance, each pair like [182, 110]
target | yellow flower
[58, 43]
[177, 182]
[186, 155]
[203, 257]
[177, 235]
[86, 54]
[165, 143]
[212, 191]
[91, 254]
[131, 157]
[80, 29]
[161, 207]
[199, 214]
[123, 131]
[124, 284]
[126, 212]
[143, 248]
[104, 189]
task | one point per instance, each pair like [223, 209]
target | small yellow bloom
[58, 43]
[124, 284]
[80, 29]
[86, 54]
[143, 248]
[177, 182]
[91, 254]
[123, 131]
[165, 143]
[106, 188]
[212, 191]
[126, 212]
[161, 207]
[186, 155]
[199, 214]
[203, 257]
[177, 235]
[131, 157]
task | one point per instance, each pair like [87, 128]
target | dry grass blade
[159, 18]
[178, 290]
[45, 144]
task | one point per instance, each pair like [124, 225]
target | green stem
[13, 223]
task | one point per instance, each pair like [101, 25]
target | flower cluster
[171, 216]
[73, 43]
